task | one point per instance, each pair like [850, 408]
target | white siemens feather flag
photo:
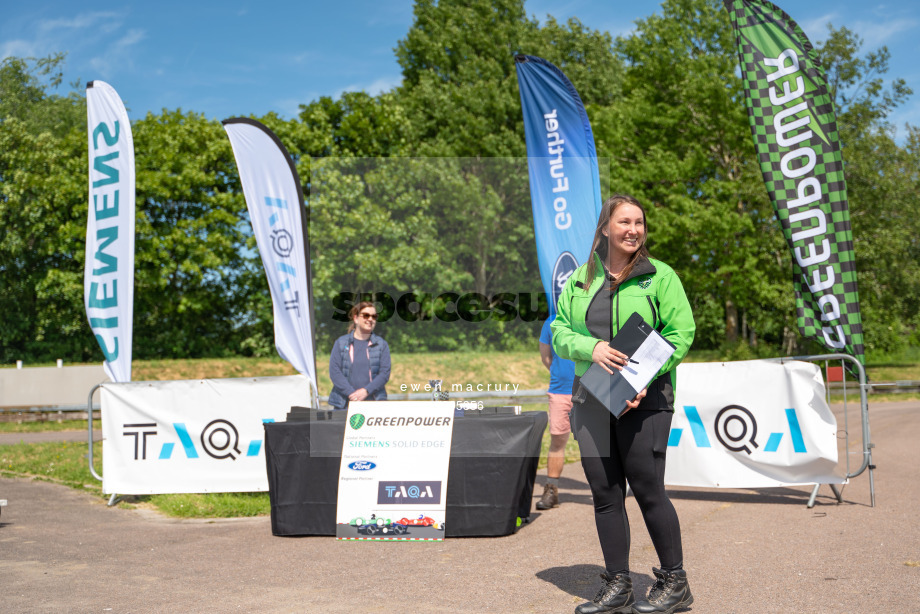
[108, 278]
[276, 209]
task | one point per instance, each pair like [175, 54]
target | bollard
[19, 364]
[60, 363]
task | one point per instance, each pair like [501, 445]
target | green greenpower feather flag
[795, 133]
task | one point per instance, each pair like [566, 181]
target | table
[493, 465]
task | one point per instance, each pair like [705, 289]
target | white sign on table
[393, 476]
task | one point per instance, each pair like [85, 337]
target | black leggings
[632, 448]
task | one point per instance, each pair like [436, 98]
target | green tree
[678, 139]
[459, 107]
[42, 136]
[882, 183]
[190, 260]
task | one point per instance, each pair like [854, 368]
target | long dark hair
[601, 241]
[355, 311]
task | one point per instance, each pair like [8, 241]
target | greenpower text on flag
[795, 133]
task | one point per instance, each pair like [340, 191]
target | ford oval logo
[361, 465]
[565, 266]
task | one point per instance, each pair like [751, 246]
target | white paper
[646, 361]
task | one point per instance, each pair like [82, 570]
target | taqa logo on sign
[736, 429]
[220, 440]
[408, 492]
[361, 465]
[565, 266]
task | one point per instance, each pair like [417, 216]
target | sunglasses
[368, 316]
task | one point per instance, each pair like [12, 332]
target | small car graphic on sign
[378, 526]
[422, 521]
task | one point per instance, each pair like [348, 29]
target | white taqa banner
[192, 436]
[393, 476]
[751, 424]
[108, 278]
[276, 210]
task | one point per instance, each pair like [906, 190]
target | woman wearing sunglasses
[360, 362]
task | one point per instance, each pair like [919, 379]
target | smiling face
[366, 320]
[625, 231]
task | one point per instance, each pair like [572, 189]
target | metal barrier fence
[835, 374]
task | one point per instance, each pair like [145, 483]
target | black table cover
[493, 465]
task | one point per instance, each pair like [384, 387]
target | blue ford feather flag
[565, 189]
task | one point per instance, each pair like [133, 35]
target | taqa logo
[356, 421]
[736, 429]
[391, 493]
[219, 439]
[361, 465]
[565, 266]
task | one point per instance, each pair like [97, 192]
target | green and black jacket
[584, 317]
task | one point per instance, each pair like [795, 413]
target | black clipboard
[614, 391]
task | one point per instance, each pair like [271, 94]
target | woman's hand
[635, 402]
[608, 358]
[358, 395]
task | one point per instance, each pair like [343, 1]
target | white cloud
[876, 34]
[19, 49]
[80, 22]
[383, 84]
[118, 53]
[132, 37]
[816, 29]
[69, 33]
[309, 56]
[290, 107]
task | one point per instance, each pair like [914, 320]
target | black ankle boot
[615, 596]
[670, 592]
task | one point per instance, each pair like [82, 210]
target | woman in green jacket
[619, 279]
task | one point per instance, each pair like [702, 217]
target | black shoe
[670, 592]
[615, 596]
[550, 498]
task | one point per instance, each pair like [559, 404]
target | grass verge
[47, 426]
[63, 462]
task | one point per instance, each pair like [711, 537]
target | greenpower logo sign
[645, 283]
[356, 421]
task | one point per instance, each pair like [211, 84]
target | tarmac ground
[759, 550]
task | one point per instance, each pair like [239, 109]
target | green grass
[62, 462]
[211, 505]
[65, 463]
[522, 368]
[41, 426]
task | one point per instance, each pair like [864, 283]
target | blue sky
[238, 57]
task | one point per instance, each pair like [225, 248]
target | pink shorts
[560, 406]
